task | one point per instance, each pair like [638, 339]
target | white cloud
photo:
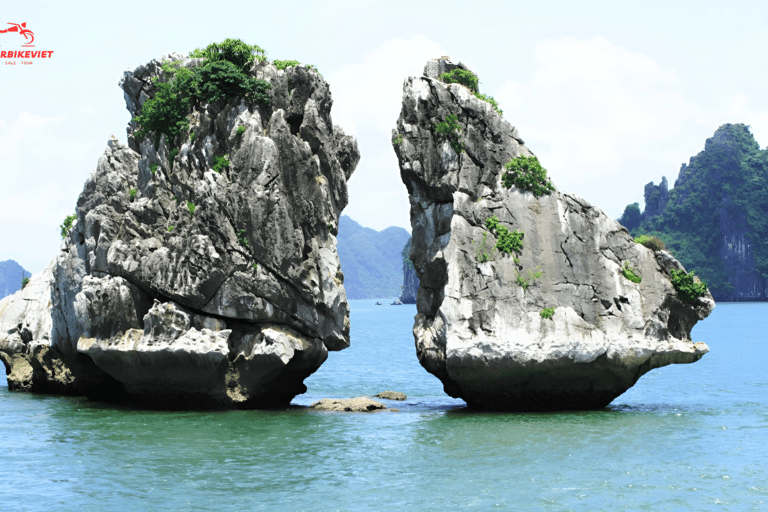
[369, 92]
[598, 105]
[367, 97]
[603, 119]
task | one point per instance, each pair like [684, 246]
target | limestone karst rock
[410, 279]
[184, 285]
[479, 326]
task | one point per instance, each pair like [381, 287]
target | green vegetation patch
[527, 174]
[282, 64]
[133, 193]
[191, 207]
[547, 313]
[24, 282]
[627, 272]
[220, 163]
[232, 50]
[397, 139]
[240, 130]
[223, 74]
[726, 183]
[489, 99]
[242, 239]
[526, 281]
[462, 76]
[66, 226]
[153, 168]
[451, 130]
[507, 241]
[687, 288]
[651, 242]
[482, 253]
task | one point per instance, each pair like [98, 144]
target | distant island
[715, 219]
[371, 260]
[11, 276]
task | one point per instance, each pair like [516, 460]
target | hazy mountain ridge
[371, 260]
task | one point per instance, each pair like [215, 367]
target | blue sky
[609, 95]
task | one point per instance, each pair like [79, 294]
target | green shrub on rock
[527, 174]
[630, 274]
[24, 282]
[489, 99]
[66, 226]
[451, 130]
[547, 313]
[233, 50]
[651, 242]
[282, 64]
[461, 76]
[166, 113]
[482, 253]
[507, 241]
[223, 79]
[242, 239]
[526, 281]
[220, 163]
[223, 74]
[687, 286]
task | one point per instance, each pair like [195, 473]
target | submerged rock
[481, 327]
[358, 404]
[187, 283]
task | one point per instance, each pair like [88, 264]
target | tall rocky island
[714, 219]
[529, 298]
[200, 269]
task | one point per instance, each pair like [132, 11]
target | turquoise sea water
[686, 437]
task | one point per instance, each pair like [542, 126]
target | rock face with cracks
[479, 326]
[187, 286]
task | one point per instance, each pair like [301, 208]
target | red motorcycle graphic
[22, 30]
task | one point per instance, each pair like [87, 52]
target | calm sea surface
[686, 437]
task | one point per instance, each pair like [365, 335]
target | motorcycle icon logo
[22, 30]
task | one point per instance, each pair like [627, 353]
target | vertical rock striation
[479, 326]
[185, 285]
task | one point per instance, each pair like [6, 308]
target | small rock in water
[391, 395]
[358, 404]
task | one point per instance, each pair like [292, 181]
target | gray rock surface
[231, 303]
[410, 279]
[358, 404]
[479, 327]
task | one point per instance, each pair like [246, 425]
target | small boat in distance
[378, 303]
[396, 302]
